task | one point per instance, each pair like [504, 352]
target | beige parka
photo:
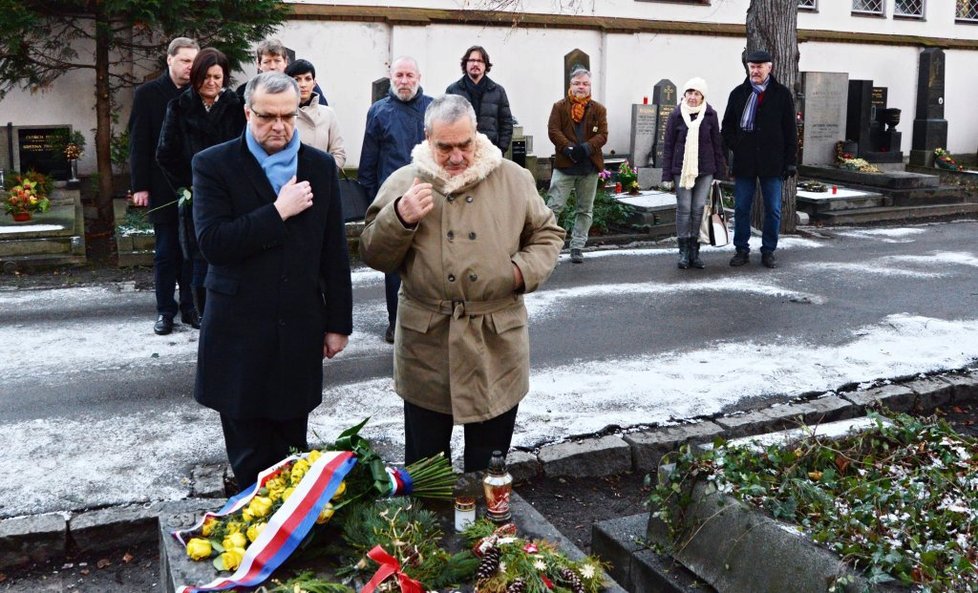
[461, 343]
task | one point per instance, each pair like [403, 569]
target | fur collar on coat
[485, 160]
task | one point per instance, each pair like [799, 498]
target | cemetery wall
[351, 54]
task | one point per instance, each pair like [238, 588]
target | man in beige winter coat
[469, 235]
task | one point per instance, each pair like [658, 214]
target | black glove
[578, 153]
[569, 153]
[790, 171]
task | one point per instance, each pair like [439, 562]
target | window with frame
[967, 10]
[808, 4]
[868, 7]
[909, 8]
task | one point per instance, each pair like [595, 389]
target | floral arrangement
[510, 564]
[944, 160]
[72, 145]
[627, 177]
[847, 160]
[27, 194]
[812, 186]
[605, 175]
[856, 496]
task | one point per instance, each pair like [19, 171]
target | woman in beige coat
[469, 235]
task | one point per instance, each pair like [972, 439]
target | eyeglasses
[475, 61]
[268, 118]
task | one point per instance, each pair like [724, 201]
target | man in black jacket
[279, 297]
[759, 127]
[150, 188]
[489, 99]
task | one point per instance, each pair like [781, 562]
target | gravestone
[40, 149]
[877, 103]
[824, 101]
[379, 89]
[664, 99]
[642, 135]
[859, 114]
[572, 61]
[929, 125]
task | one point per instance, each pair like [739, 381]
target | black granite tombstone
[859, 113]
[379, 89]
[39, 149]
[929, 125]
[664, 98]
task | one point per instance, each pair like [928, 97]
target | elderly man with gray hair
[578, 127]
[469, 235]
[279, 296]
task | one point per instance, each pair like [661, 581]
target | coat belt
[461, 308]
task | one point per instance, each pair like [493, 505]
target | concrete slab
[208, 481]
[615, 541]
[104, 529]
[38, 538]
[588, 458]
[523, 466]
[816, 411]
[931, 392]
[648, 447]
[892, 397]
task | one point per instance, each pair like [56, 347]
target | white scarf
[485, 159]
[691, 156]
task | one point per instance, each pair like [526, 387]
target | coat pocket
[221, 284]
[413, 318]
[507, 319]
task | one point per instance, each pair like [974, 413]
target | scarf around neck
[691, 154]
[577, 106]
[750, 108]
[280, 166]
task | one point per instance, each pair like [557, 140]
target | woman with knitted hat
[692, 158]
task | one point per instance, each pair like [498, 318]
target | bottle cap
[497, 463]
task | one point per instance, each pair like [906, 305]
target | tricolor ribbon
[286, 528]
[389, 566]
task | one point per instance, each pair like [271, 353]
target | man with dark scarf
[494, 119]
[759, 127]
[578, 127]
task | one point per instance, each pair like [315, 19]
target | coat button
[281, 323]
[451, 277]
[472, 236]
[451, 198]
[473, 277]
[451, 235]
[468, 199]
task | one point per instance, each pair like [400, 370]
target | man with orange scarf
[578, 128]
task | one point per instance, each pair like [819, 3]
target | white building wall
[528, 62]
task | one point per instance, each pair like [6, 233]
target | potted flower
[74, 147]
[628, 178]
[25, 198]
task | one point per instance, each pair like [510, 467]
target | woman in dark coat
[692, 159]
[207, 113]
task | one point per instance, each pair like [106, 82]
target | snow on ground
[73, 463]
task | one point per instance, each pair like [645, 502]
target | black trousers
[427, 433]
[257, 443]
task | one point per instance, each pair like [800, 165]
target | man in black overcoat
[150, 188]
[279, 295]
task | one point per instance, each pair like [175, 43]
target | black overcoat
[772, 147]
[274, 287]
[149, 103]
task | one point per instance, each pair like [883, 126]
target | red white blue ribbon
[286, 528]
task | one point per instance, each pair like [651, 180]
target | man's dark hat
[759, 56]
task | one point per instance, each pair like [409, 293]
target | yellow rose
[231, 559]
[313, 456]
[340, 491]
[287, 493]
[247, 515]
[235, 540]
[255, 530]
[233, 527]
[299, 469]
[198, 549]
[208, 527]
[276, 483]
[260, 506]
[325, 515]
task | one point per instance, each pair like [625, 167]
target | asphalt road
[605, 335]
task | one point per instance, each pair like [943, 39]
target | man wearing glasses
[494, 119]
[268, 220]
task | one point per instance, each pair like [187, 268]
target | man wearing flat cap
[759, 128]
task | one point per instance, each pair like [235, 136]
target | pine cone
[489, 564]
[573, 581]
[517, 586]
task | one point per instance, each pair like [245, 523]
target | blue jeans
[744, 198]
[170, 268]
[689, 206]
[584, 186]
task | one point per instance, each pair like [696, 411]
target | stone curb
[48, 537]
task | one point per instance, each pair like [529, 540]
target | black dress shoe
[389, 334]
[768, 260]
[740, 258]
[163, 325]
[192, 319]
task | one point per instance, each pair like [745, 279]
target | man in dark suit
[279, 295]
[150, 188]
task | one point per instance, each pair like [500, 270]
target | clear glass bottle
[498, 486]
